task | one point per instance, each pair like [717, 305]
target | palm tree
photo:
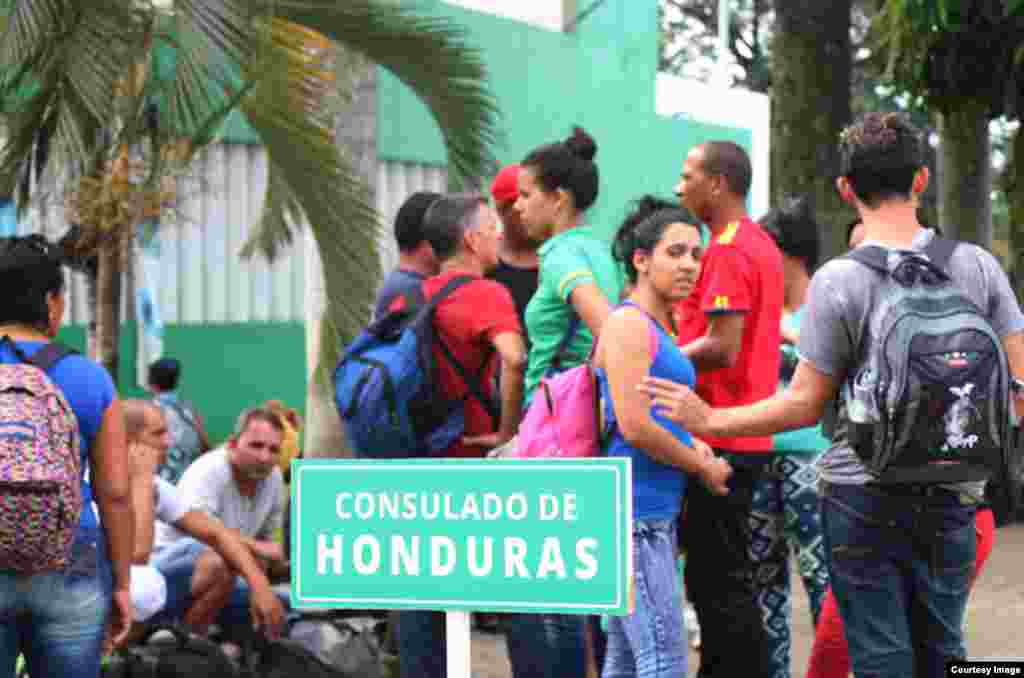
[79, 76]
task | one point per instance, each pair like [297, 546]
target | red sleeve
[728, 277]
[500, 311]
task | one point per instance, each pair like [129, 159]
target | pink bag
[564, 417]
[562, 420]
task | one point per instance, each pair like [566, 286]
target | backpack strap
[563, 345]
[472, 381]
[49, 355]
[872, 256]
[940, 250]
[45, 358]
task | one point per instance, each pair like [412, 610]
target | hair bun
[581, 144]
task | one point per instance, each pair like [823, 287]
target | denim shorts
[58, 620]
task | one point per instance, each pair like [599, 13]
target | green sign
[453, 534]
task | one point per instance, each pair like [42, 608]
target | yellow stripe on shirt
[575, 275]
[729, 233]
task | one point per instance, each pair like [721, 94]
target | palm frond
[288, 109]
[67, 62]
[431, 55]
[282, 215]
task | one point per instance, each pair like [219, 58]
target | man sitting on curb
[194, 594]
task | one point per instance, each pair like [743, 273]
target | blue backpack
[387, 390]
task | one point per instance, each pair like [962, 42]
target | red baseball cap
[505, 186]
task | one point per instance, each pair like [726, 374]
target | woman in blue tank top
[661, 254]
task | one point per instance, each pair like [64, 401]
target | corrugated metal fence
[201, 278]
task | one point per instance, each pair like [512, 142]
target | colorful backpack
[40, 465]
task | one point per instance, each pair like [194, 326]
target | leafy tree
[961, 58]
[80, 74]
[689, 34]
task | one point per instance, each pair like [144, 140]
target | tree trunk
[92, 296]
[811, 75]
[108, 306]
[1013, 186]
[357, 134]
[965, 200]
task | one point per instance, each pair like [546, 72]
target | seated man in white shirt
[194, 597]
[241, 486]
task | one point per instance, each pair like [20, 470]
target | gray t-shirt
[835, 323]
[208, 485]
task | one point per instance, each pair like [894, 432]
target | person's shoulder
[82, 368]
[210, 467]
[627, 320]
[839, 269]
[970, 253]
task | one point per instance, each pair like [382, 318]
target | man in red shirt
[730, 327]
[479, 325]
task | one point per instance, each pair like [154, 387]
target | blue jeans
[58, 619]
[900, 567]
[177, 562]
[651, 642]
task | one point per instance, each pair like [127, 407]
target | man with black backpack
[476, 330]
[922, 339]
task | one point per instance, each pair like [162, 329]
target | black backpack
[182, 655]
[931, 400]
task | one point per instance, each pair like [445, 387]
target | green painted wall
[602, 76]
[226, 368]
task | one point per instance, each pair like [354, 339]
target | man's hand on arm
[800, 405]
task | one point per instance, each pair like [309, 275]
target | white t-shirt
[209, 486]
[148, 587]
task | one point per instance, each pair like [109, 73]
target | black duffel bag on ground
[181, 655]
[323, 647]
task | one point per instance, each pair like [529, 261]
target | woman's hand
[715, 474]
[679, 403]
[120, 620]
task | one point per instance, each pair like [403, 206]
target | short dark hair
[447, 221]
[248, 416]
[30, 268]
[644, 227]
[568, 165]
[165, 373]
[795, 231]
[879, 155]
[727, 159]
[409, 220]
